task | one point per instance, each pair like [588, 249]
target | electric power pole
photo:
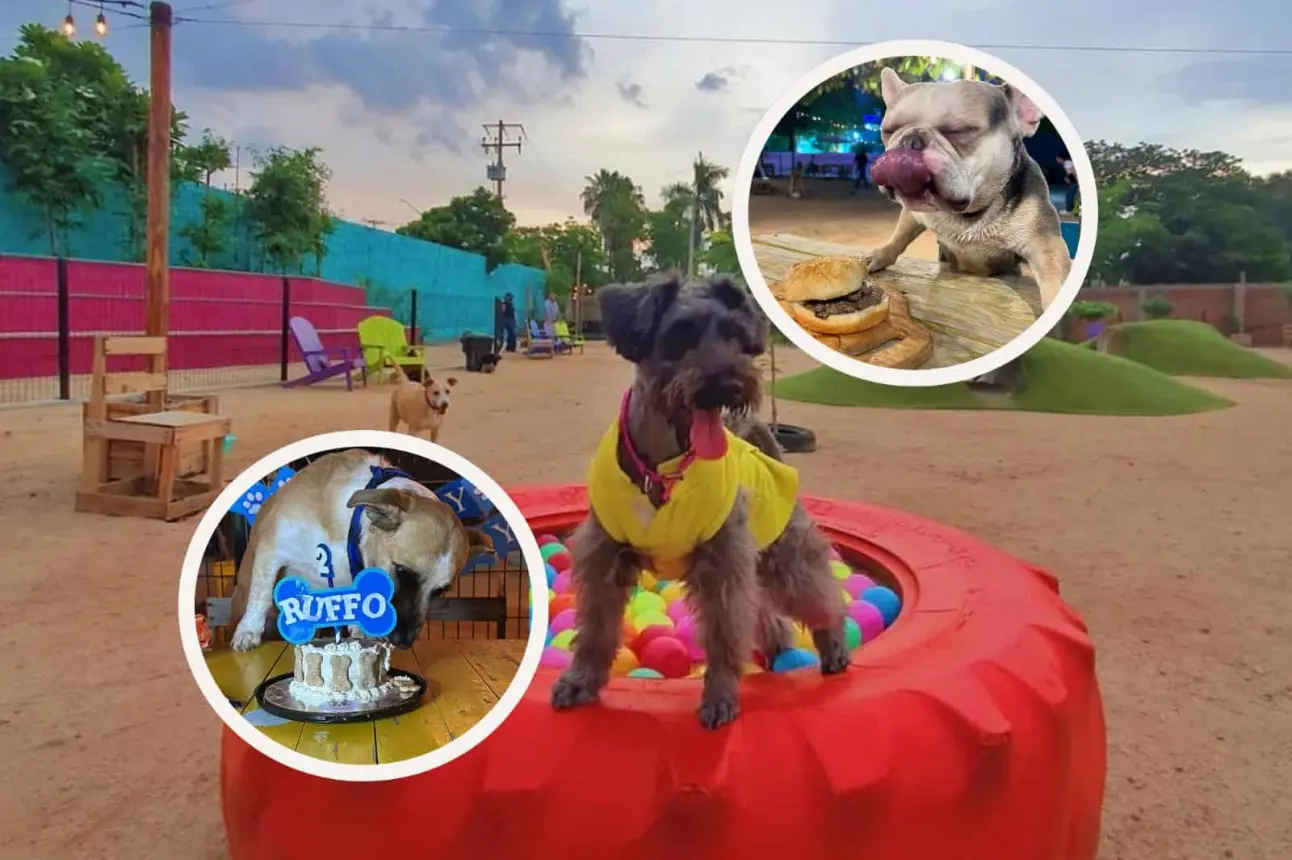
[157, 230]
[495, 141]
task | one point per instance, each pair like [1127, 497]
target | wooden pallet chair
[156, 491]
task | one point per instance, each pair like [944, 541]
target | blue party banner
[248, 507]
[365, 604]
[467, 501]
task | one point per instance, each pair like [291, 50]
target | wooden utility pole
[157, 259]
[495, 141]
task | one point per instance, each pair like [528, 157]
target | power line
[728, 40]
[118, 7]
[211, 7]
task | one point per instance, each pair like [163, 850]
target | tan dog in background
[352, 504]
[421, 407]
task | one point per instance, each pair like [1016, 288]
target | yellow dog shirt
[699, 502]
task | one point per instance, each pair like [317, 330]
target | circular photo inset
[358, 605]
[916, 213]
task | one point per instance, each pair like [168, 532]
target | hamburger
[832, 296]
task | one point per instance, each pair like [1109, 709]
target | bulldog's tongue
[708, 437]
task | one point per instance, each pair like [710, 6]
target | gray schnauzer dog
[694, 347]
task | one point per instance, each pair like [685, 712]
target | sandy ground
[1169, 535]
[831, 212]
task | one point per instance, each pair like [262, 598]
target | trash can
[478, 349]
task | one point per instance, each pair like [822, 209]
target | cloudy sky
[398, 109]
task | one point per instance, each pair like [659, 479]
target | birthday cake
[349, 670]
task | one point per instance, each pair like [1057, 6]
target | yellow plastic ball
[646, 601]
[673, 591]
[647, 580]
[840, 570]
[753, 669]
[847, 598]
[563, 640]
[697, 672]
[625, 662]
[803, 638]
[648, 619]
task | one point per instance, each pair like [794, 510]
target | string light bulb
[69, 26]
[101, 24]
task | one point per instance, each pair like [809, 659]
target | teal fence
[455, 293]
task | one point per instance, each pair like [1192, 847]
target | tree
[48, 148]
[566, 251]
[477, 222]
[667, 228]
[616, 205]
[210, 155]
[1184, 216]
[287, 207]
[210, 233]
[721, 257]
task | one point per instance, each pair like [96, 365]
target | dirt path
[1169, 535]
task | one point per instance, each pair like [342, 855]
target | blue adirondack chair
[320, 362]
[539, 345]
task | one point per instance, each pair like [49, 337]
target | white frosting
[330, 687]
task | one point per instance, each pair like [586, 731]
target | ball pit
[971, 726]
[660, 630]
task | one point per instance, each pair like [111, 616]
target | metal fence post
[412, 319]
[282, 335]
[64, 332]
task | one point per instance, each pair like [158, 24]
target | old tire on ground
[794, 439]
[972, 728]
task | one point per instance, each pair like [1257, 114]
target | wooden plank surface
[969, 316]
[465, 678]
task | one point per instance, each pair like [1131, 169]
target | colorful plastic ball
[650, 619]
[627, 632]
[834, 555]
[548, 639]
[754, 669]
[647, 580]
[840, 570]
[550, 549]
[852, 633]
[794, 658]
[555, 658]
[885, 600]
[551, 574]
[697, 671]
[561, 561]
[870, 621]
[563, 620]
[666, 655]
[625, 662]
[802, 638]
[563, 640]
[544, 540]
[559, 603]
[845, 596]
[857, 583]
[672, 592]
[690, 637]
[647, 601]
[564, 583]
[646, 673]
[677, 610]
[644, 638]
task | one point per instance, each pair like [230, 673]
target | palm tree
[708, 195]
[617, 206]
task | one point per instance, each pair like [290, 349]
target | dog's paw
[246, 638]
[833, 649]
[573, 689]
[718, 709]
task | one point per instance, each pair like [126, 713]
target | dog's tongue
[902, 169]
[708, 436]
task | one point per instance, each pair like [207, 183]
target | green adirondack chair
[385, 346]
[567, 338]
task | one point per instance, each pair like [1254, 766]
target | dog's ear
[478, 542]
[735, 298]
[427, 382]
[891, 86]
[384, 507]
[631, 314]
[725, 289]
[451, 381]
[1026, 113]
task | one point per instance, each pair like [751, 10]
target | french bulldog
[955, 160]
[346, 511]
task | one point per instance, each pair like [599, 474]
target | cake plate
[275, 697]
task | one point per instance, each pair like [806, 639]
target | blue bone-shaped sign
[467, 501]
[365, 604]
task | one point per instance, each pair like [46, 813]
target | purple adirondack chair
[320, 362]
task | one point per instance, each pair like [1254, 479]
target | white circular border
[362, 772]
[918, 378]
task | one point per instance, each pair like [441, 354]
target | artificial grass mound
[1188, 348]
[1060, 377]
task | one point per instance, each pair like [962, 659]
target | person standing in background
[859, 161]
[509, 321]
[551, 313]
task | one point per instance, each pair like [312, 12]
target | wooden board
[465, 679]
[967, 316]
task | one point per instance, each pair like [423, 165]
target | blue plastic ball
[551, 575]
[794, 658]
[885, 600]
[548, 640]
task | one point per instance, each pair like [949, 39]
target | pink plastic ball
[688, 635]
[834, 555]
[869, 620]
[677, 610]
[668, 656]
[564, 620]
[555, 658]
[564, 583]
[561, 561]
[546, 539]
[857, 583]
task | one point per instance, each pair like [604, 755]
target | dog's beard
[696, 412]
